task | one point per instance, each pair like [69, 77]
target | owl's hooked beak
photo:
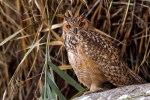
[75, 30]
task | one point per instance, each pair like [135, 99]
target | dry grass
[27, 21]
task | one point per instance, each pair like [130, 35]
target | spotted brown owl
[94, 57]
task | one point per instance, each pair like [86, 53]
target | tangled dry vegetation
[31, 28]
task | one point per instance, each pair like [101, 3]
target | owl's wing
[104, 52]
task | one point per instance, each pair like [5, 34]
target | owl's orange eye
[81, 24]
[68, 26]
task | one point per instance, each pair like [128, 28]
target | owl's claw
[93, 91]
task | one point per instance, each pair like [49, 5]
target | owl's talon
[93, 91]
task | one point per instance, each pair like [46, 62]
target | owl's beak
[75, 30]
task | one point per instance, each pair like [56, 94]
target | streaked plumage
[95, 58]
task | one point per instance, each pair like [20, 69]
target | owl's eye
[81, 24]
[68, 26]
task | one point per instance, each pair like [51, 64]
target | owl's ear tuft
[82, 16]
[66, 18]
[68, 13]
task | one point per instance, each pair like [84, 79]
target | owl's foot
[94, 91]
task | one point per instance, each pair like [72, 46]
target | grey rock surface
[132, 92]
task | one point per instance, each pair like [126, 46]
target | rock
[132, 92]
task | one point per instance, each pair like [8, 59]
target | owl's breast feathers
[70, 41]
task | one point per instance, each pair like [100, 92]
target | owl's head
[74, 24]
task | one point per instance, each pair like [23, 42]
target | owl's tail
[137, 78]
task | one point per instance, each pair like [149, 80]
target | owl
[94, 57]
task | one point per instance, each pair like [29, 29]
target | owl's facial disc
[73, 24]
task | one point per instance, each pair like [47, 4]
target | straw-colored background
[24, 22]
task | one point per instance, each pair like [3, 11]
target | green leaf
[55, 88]
[49, 93]
[66, 77]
